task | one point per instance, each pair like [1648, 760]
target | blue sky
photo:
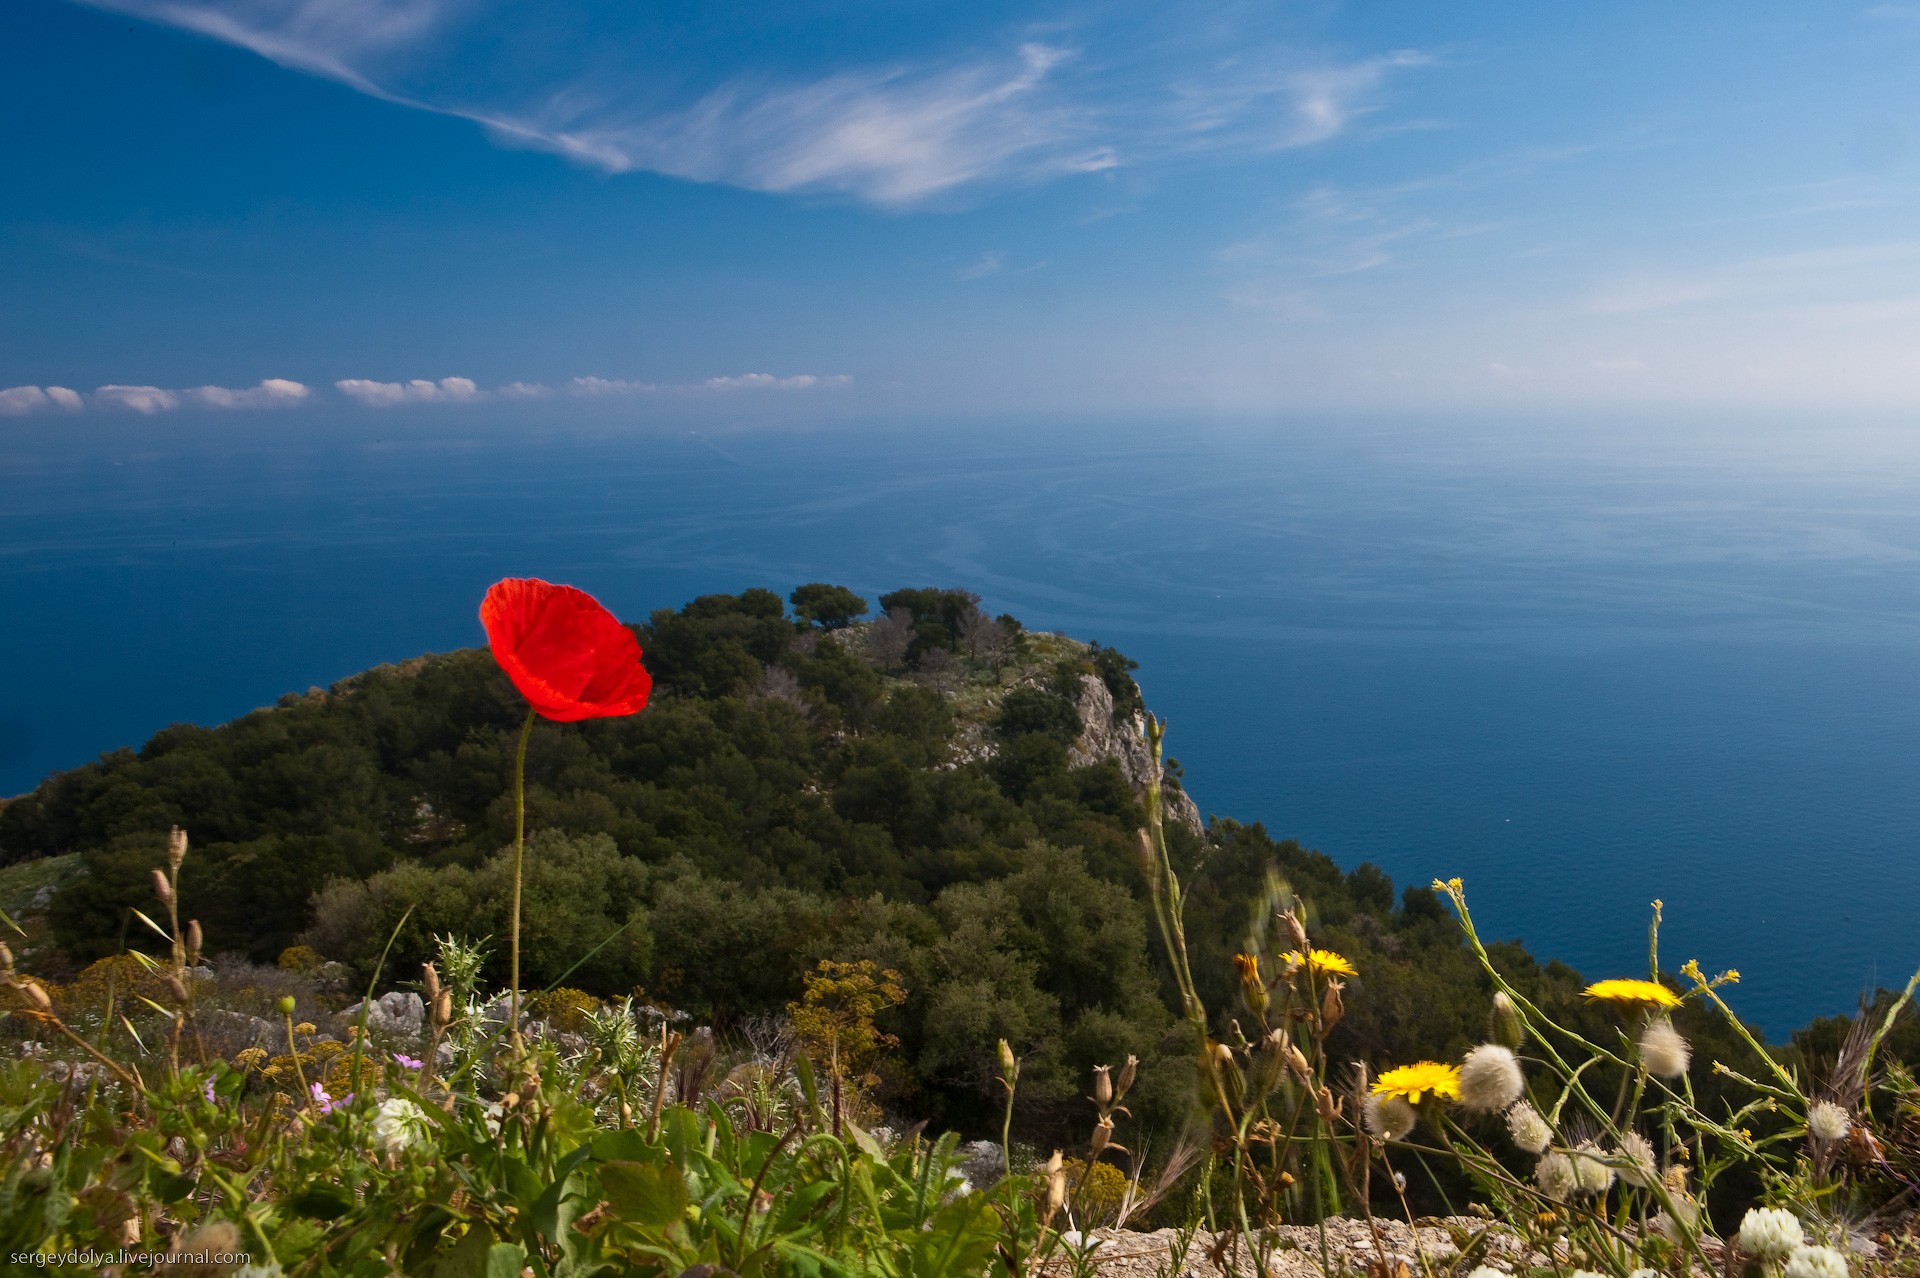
[277, 205]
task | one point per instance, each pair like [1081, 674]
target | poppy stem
[519, 853]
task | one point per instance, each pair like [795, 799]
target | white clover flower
[1663, 1051]
[1555, 1176]
[1490, 1078]
[1529, 1131]
[1641, 1169]
[1816, 1262]
[398, 1123]
[1827, 1121]
[1770, 1232]
[1387, 1117]
[1591, 1170]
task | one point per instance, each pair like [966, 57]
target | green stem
[519, 855]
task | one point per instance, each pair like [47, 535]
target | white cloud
[908, 125]
[272, 392]
[18, 401]
[448, 390]
[989, 264]
[767, 381]
[146, 400]
[524, 390]
[594, 386]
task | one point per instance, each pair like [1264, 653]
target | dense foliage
[801, 789]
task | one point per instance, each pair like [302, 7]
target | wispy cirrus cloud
[900, 126]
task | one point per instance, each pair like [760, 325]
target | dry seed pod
[1056, 1174]
[430, 981]
[36, 995]
[194, 939]
[1297, 930]
[1297, 1062]
[6, 958]
[161, 888]
[1103, 1085]
[176, 847]
[1102, 1134]
[1127, 1072]
[443, 1007]
[1332, 1006]
[175, 986]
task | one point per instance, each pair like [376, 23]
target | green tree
[827, 606]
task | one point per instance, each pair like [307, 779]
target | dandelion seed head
[1555, 1176]
[1591, 1170]
[1663, 1051]
[1827, 1121]
[1490, 1079]
[1770, 1232]
[1641, 1169]
[1529, 1131]
[1387, 1117]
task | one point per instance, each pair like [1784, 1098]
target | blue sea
[1581, 662]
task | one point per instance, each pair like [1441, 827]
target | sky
[272, 206]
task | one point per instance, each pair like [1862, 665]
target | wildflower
[1556, 1176]
[1663, 1051]
[568, 656]
[1632, 994]
[1323, 962]
[209, 1093]
[1490, 1078]
[1816, 1262]
[1387, 1118]
[405, 1061]
[1486, 1271]
[325, 1103]
[1637, 1152]
[1414, 1081]
[306, 1027]
[1591, 1170]
[1771, 1232]
[1827, 1121]
[398, 1123]
[1529, 1131]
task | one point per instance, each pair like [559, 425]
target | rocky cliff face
[1125, 742]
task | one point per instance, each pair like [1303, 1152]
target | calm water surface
[1580, 664]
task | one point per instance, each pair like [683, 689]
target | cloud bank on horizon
[278, 392]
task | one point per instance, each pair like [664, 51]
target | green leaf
[625, 1145]
[645, 1194]
[321, 1201]
[505, 1260]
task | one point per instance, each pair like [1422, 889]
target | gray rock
[1103, 735]
[400, 1014]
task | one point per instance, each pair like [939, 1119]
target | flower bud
[284, 1005]
[162, 888]
[176, 847]
[1102, 1085]
[1296, 929]
[1332, 1006]
[1252, 988]
[1009, 1064]
[1507, 1029]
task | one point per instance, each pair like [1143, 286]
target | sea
[1581, 661]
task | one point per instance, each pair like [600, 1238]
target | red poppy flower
[566, 653]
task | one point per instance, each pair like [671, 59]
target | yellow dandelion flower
[1325, 962]
[1626, 993]
[1411, 1082]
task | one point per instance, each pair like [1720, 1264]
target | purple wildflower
[211, 1100]
[407, 1062]
[327, 1104]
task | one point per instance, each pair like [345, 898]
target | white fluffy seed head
[1827, 1121]
[1388, 1117]
[1641, 1169]
[1770, 1232]
[1816, 1262]
[1490, 1079]
[398, 1124]
[1663, 1051]
[1590, 1168]
[1555, 1176]
[1529, 1131]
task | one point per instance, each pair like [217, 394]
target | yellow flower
[1626, 993]
[1411, 1082]
[1325, 962]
